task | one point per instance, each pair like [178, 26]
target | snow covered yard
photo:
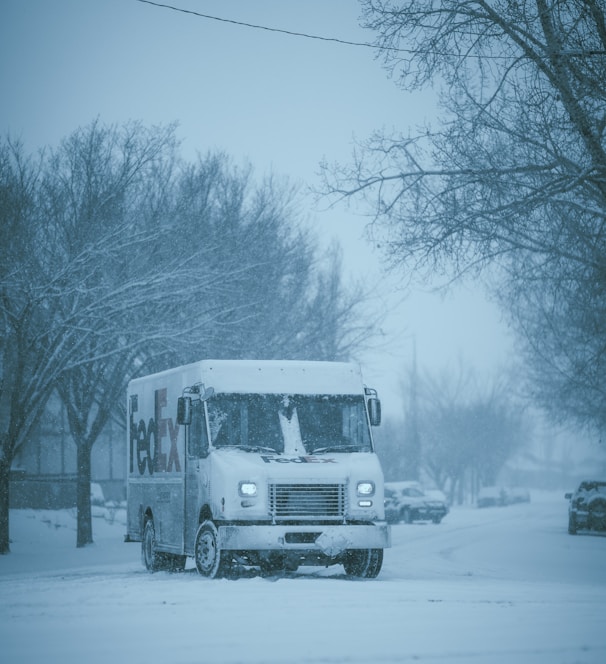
[490, 586]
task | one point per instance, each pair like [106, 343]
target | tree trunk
[4, 495]
[84, 520]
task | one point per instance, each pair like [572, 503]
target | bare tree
[38, 340]
[466, 429]
[277, 297]
[514, 174]
[17, 345]
[97, 187]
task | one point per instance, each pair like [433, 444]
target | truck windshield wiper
[336, 448]
[255, 448]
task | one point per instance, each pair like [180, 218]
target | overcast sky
[283, 103]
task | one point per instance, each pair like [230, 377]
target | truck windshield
[256, 422]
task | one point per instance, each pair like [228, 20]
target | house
[44, 471]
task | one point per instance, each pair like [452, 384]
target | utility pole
[412, 439]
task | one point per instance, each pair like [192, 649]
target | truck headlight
[366, 488]
[247, 489]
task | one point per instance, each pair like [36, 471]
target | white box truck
[255, 463]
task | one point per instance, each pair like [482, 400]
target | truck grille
[307, 501]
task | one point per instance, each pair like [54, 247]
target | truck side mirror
[374, 411]
[184, 410]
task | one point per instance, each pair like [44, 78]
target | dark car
[587, 507]
[408, 502]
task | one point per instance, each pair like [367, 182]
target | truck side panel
[156, 472]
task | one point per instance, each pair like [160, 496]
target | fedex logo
[147, 440]
[300, 459]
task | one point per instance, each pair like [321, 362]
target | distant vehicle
[518, 495]
[587, 507]
[409, 502]
[100, 506]
[492, 496]
[97, 497]
[499, 496]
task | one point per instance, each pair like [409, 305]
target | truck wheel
[365, 563]
[150, 558]
[155, 561]
[406, 515]
[437, 519]
[210, 560]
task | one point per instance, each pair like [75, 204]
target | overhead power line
[264, 27]
[336, 40]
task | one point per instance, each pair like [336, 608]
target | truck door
[196, 473]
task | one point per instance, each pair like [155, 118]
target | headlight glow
[366, 488]
[247, 489]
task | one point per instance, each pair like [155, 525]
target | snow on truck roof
[270, 376]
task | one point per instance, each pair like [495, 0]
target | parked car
[100, 506]
[499, 496]
[587, 506]
[492, 496]
[408, 502]
[97, 497]
[518, 495]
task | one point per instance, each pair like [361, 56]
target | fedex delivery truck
[255, 463]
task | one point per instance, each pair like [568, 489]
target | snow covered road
[491, 586]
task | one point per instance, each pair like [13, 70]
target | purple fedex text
[146, 440]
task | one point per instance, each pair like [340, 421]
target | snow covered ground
[486, 586]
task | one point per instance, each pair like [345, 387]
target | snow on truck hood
[333, 467]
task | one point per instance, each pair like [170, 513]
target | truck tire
[365, 563]
[154, 560]
[407, 515]
[150, 558]
[210, 560]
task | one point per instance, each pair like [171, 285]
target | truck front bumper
[326, 539]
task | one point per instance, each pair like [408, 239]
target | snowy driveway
[491, 586]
